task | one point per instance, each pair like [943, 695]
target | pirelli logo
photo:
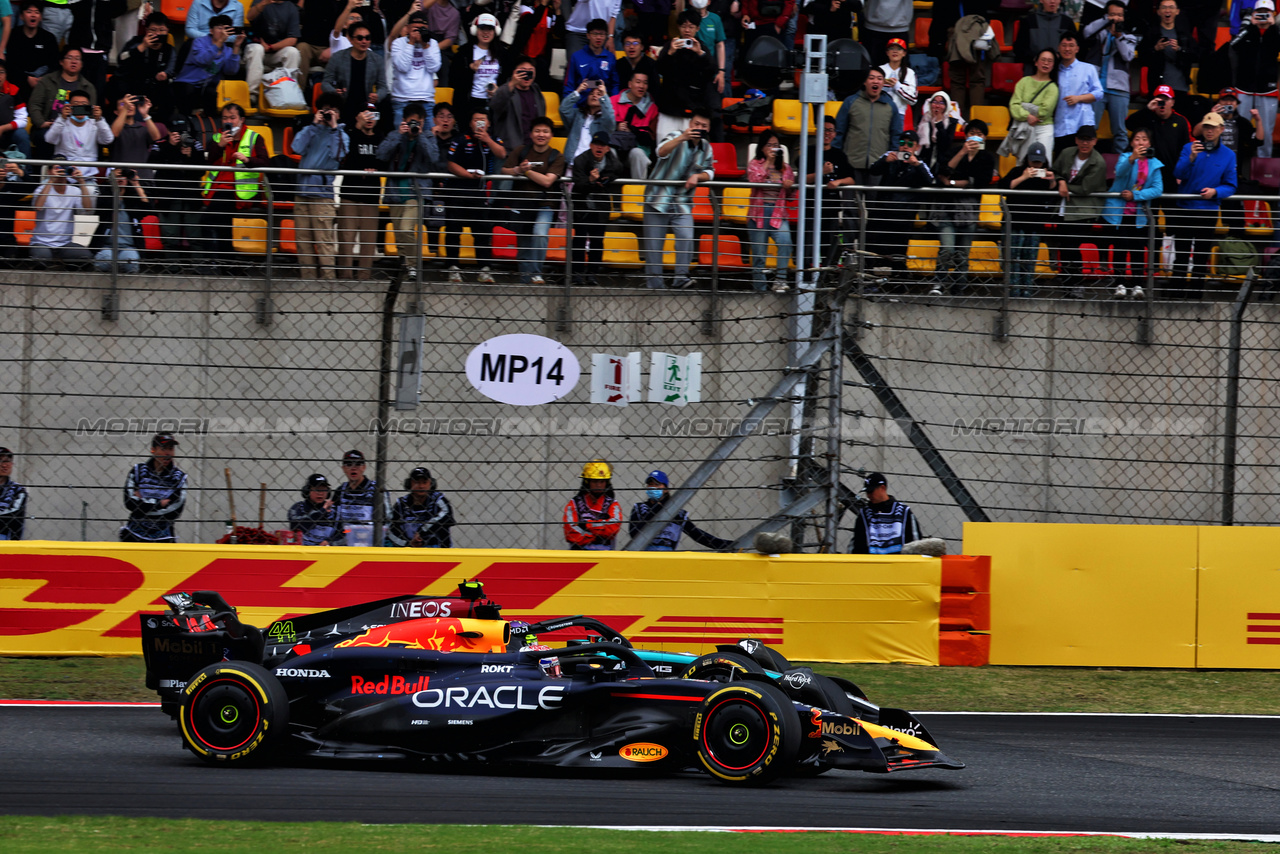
[712, 630]
[1262, 628]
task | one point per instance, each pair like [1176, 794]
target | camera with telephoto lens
[415, 127]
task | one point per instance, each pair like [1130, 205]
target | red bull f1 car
[448, 680]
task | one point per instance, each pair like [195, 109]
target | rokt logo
[643, 751]
[496, 668]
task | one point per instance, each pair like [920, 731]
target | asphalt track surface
[1049, 773]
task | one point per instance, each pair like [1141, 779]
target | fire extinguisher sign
[522, 369]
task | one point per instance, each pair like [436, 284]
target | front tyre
[233, 712]
[747, 733]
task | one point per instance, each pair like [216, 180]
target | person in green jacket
[1034, 100]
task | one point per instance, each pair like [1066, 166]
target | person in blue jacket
[1137, 181]
[314, 516]
[1206, 169]
[655, 487]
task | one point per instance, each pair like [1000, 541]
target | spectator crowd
[533, 114]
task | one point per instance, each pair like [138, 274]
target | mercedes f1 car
[446, 679]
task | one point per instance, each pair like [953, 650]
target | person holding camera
[1169, 50]
[1026, 215]
[275, 31]
[593, 62]
[471, 155]
[209, 60]
[543, 166]
[120, 214]
[1207, 170]
[687, 70]
[478, 66]
[233, 184]
[322, 145]
[969, 166]
[1256, 68]
[1110, 47]
[358, 212]
[771, 210]
[356, 75]
[1243, 134]
[1138, 180]
[415, 59]
[682, 156]
[594, 173]
[892, 213]
[200, 15]
[135, 132]
[586, 112]
[518, 103]
[52, 92]
[63, 192]
[146, 66]
[177, 191]
[409, 149]
[80, 131]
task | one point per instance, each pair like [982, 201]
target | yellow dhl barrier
[84, 598]
[1132, 595]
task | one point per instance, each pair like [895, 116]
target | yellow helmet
[597, 469]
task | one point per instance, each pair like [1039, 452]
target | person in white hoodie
[80, 131]
[415, 59]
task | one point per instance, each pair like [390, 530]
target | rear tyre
[233, 712]
[747, 733]
[721, 667]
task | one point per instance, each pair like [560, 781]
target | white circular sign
[521, 369]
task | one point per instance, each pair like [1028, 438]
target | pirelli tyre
[721, 667]
[233, 712]
[747, 733]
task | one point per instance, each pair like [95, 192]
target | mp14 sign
[522, 369]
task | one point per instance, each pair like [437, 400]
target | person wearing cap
[478, 65]
[1081, 173]
[867, 125]
[593, 63]
[884, 524]
[1041, 29]
[274, 31]
[13, 500]
[542, 166]
[1206, 169]
[1169, 50]
[593, 517]
[1169, 129]
[1078, 89]
[656, 486]
[1138, 180]
[415, 59]
[586, 112]
[892, 213]
[682, 156]
[1026, 214]
[421, 519]
[155, 494]
[1255, 68]
[899, 79]
[880, 22]
[313, 517]
[353, 503]
[1110, 46]
[594, 172]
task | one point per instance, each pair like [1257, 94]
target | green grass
[76, 834]
[991, 689]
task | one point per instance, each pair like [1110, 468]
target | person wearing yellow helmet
[593, 517]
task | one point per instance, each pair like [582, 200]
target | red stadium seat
[1266, 171]
[726, 160]
[1005, 76]
[921, 41]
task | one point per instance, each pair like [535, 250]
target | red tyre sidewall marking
[257, 708]
[764, 718]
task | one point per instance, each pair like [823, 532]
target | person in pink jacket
[771, 209]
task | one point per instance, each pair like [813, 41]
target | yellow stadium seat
[558, 143]
[922, 256]
[984, 257]
[633, 202]
[1007, 162]
[1044, 269]
[233, 92]
[553, 108]
[268, 137]
[1104, 127]
[997, 119]
[249, 235]
[786, 117]
[990, 216]
[444, 95]
[622, 249]
[389, 242]
[734, 204]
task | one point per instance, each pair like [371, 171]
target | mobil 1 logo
[522, 369]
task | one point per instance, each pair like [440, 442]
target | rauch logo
[643, 752]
